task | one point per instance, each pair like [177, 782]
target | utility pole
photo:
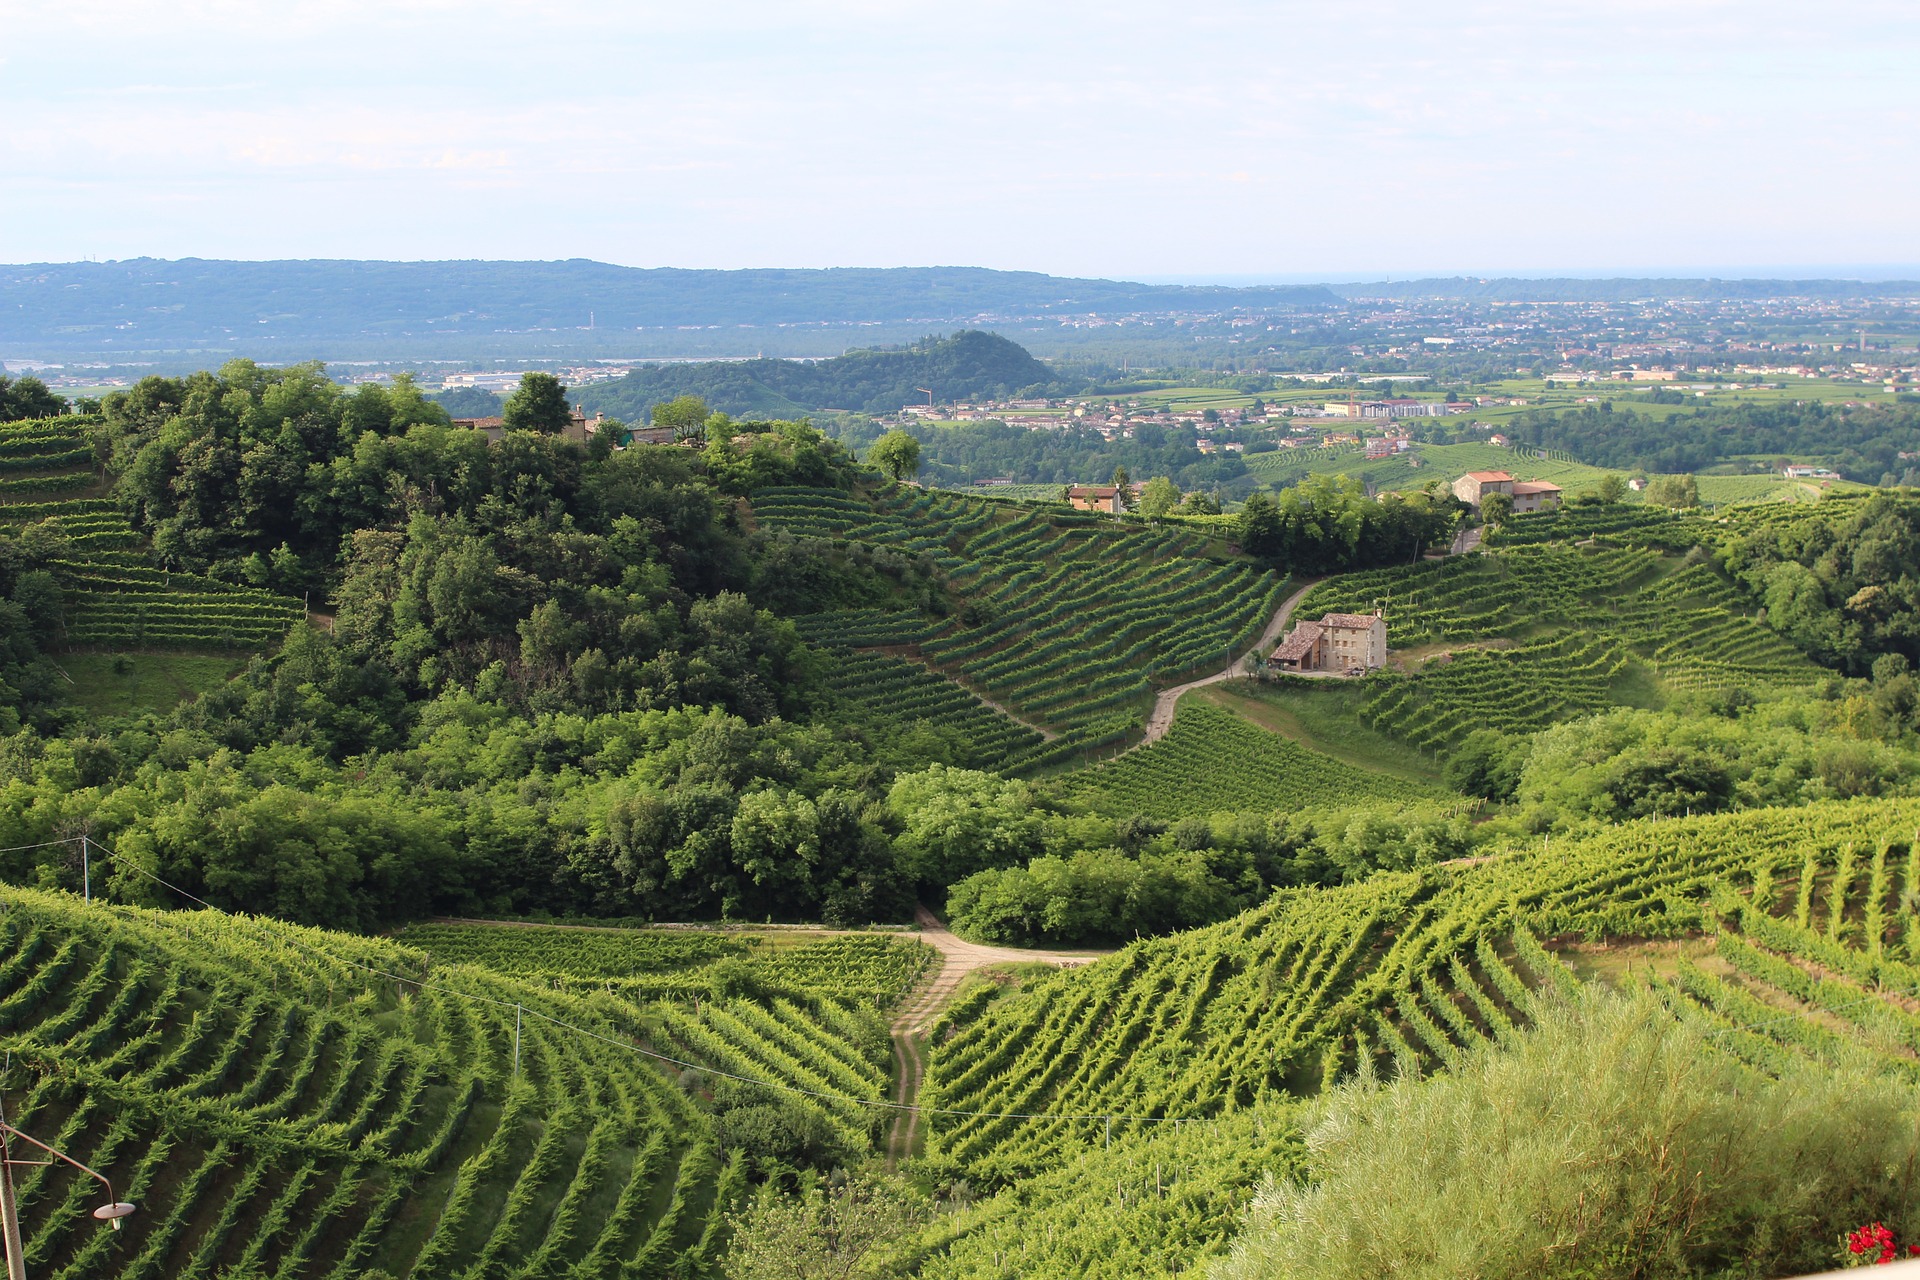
[10, 1214]
[111, 1212]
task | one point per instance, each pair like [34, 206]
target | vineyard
[1798, 936]
[284, 1101]
[1577, 619]
[877, 689]
[1213, 761]
[871, 968]
[1072, 619]
[114, 596]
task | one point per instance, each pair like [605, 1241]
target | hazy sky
[1338, 139]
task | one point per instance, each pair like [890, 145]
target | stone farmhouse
[1528, 495]
[1339, 642]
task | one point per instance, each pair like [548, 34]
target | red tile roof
[1349, 621]
[1534, 486]
[1299, 644]
[1486, 476]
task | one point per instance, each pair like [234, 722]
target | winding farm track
[1162, 718]
[958, 958]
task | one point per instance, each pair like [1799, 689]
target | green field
[1324, 716]
[128, 684]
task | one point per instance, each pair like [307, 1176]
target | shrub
[1611, 1141]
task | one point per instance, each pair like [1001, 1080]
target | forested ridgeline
[1873, 444]
[285, 1101]
[969, 365]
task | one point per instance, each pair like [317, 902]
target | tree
[28, 398]
[897, 454]
[1159, 496]
[1495, 508]
[1612, 488]
[539, 405]
[1123, 486]
[687, 415]
[823, 1233]
[1674, 491]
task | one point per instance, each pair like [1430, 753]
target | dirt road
[958, 958]
[1162, 718]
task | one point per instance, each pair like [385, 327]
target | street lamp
[112, 1211]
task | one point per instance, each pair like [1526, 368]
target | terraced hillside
[1213, 761]
[113, 593]
[1789, 932]
[1071, 619]
[288, 1102]
[1566, 623]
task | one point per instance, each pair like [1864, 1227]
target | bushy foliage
[1627, 764]
[1609, 1141]
[1329, 524]
[1159, 878]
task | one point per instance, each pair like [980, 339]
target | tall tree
[897, 454]
[687, 415]
[1160, 496]
[539, 405]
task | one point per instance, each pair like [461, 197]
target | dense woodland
[968, 365]
[1863, 443]
[960, 453]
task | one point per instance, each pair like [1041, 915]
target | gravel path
[958, 958]
[1162, 718]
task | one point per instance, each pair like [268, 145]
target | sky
[1345, 139]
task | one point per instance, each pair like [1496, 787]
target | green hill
[968, 365]
[290, 1102]
[1520, 638]
[1795, 943]
[1069, 619]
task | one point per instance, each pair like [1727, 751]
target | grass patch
[110, 684]
[1325, 718]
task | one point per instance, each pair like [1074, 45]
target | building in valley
[1339, 642]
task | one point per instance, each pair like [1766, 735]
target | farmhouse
[1338, 642]
[1528, 495]
[1797, 472]
[1474, 486]
[1096, 497]
[1535, 495]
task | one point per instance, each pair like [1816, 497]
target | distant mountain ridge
[1621, 289]
[966, 366]
[151, 303]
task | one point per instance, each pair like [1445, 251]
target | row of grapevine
[1213, 761]
[1418, 964]
[1072, 618]
[290, 1102]
[876, 690]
